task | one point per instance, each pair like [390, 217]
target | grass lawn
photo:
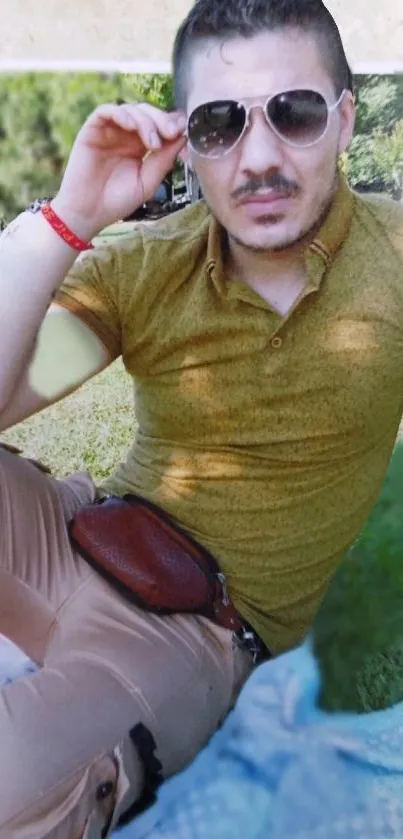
[90, 430]
[359, 630]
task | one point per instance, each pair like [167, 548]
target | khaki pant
[68, 767]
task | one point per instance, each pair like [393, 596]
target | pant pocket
[81, 806]
[103, 793]
[129, 785]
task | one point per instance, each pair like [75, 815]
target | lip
[272, 196]
[267, 203]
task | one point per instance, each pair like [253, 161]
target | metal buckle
[247, 639]
[223, 580]
[37, 205]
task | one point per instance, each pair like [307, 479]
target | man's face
[295, 185]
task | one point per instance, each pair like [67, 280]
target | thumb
[157, 164]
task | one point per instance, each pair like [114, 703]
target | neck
[245, 263]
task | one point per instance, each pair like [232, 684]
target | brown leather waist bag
[148, 558]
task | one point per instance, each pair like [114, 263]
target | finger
[128, 120]
[169, 124]
[153, 126]
[157, 164]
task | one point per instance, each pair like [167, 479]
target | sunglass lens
[299, 116]
[215, 127]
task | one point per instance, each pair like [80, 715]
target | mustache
[277, 182]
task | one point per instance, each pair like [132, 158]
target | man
[263, 329]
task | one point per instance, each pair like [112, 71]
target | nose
[261, 149]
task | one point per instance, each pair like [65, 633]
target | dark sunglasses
[299, 117]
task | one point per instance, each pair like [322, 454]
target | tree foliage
[374, 158]
[388, 156]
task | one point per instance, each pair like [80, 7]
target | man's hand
[119, 158]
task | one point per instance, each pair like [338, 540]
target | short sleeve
[92, 290]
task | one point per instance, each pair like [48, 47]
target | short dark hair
[221, 19]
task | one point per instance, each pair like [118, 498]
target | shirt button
[276, 342]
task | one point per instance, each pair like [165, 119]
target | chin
[267, 240]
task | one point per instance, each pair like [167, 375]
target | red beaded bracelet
[63, 231]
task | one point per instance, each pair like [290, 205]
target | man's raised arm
[119, 157]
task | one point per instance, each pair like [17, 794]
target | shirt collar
[319, 253]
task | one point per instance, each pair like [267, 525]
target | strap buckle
[249, 640]
[223, 580]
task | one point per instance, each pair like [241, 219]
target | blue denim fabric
[280, 768]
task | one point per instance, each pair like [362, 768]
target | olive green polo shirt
[266, 437]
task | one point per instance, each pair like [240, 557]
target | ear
[347, 121]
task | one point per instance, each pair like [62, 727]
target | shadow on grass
[359, 629]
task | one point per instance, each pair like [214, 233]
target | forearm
[33, 263]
